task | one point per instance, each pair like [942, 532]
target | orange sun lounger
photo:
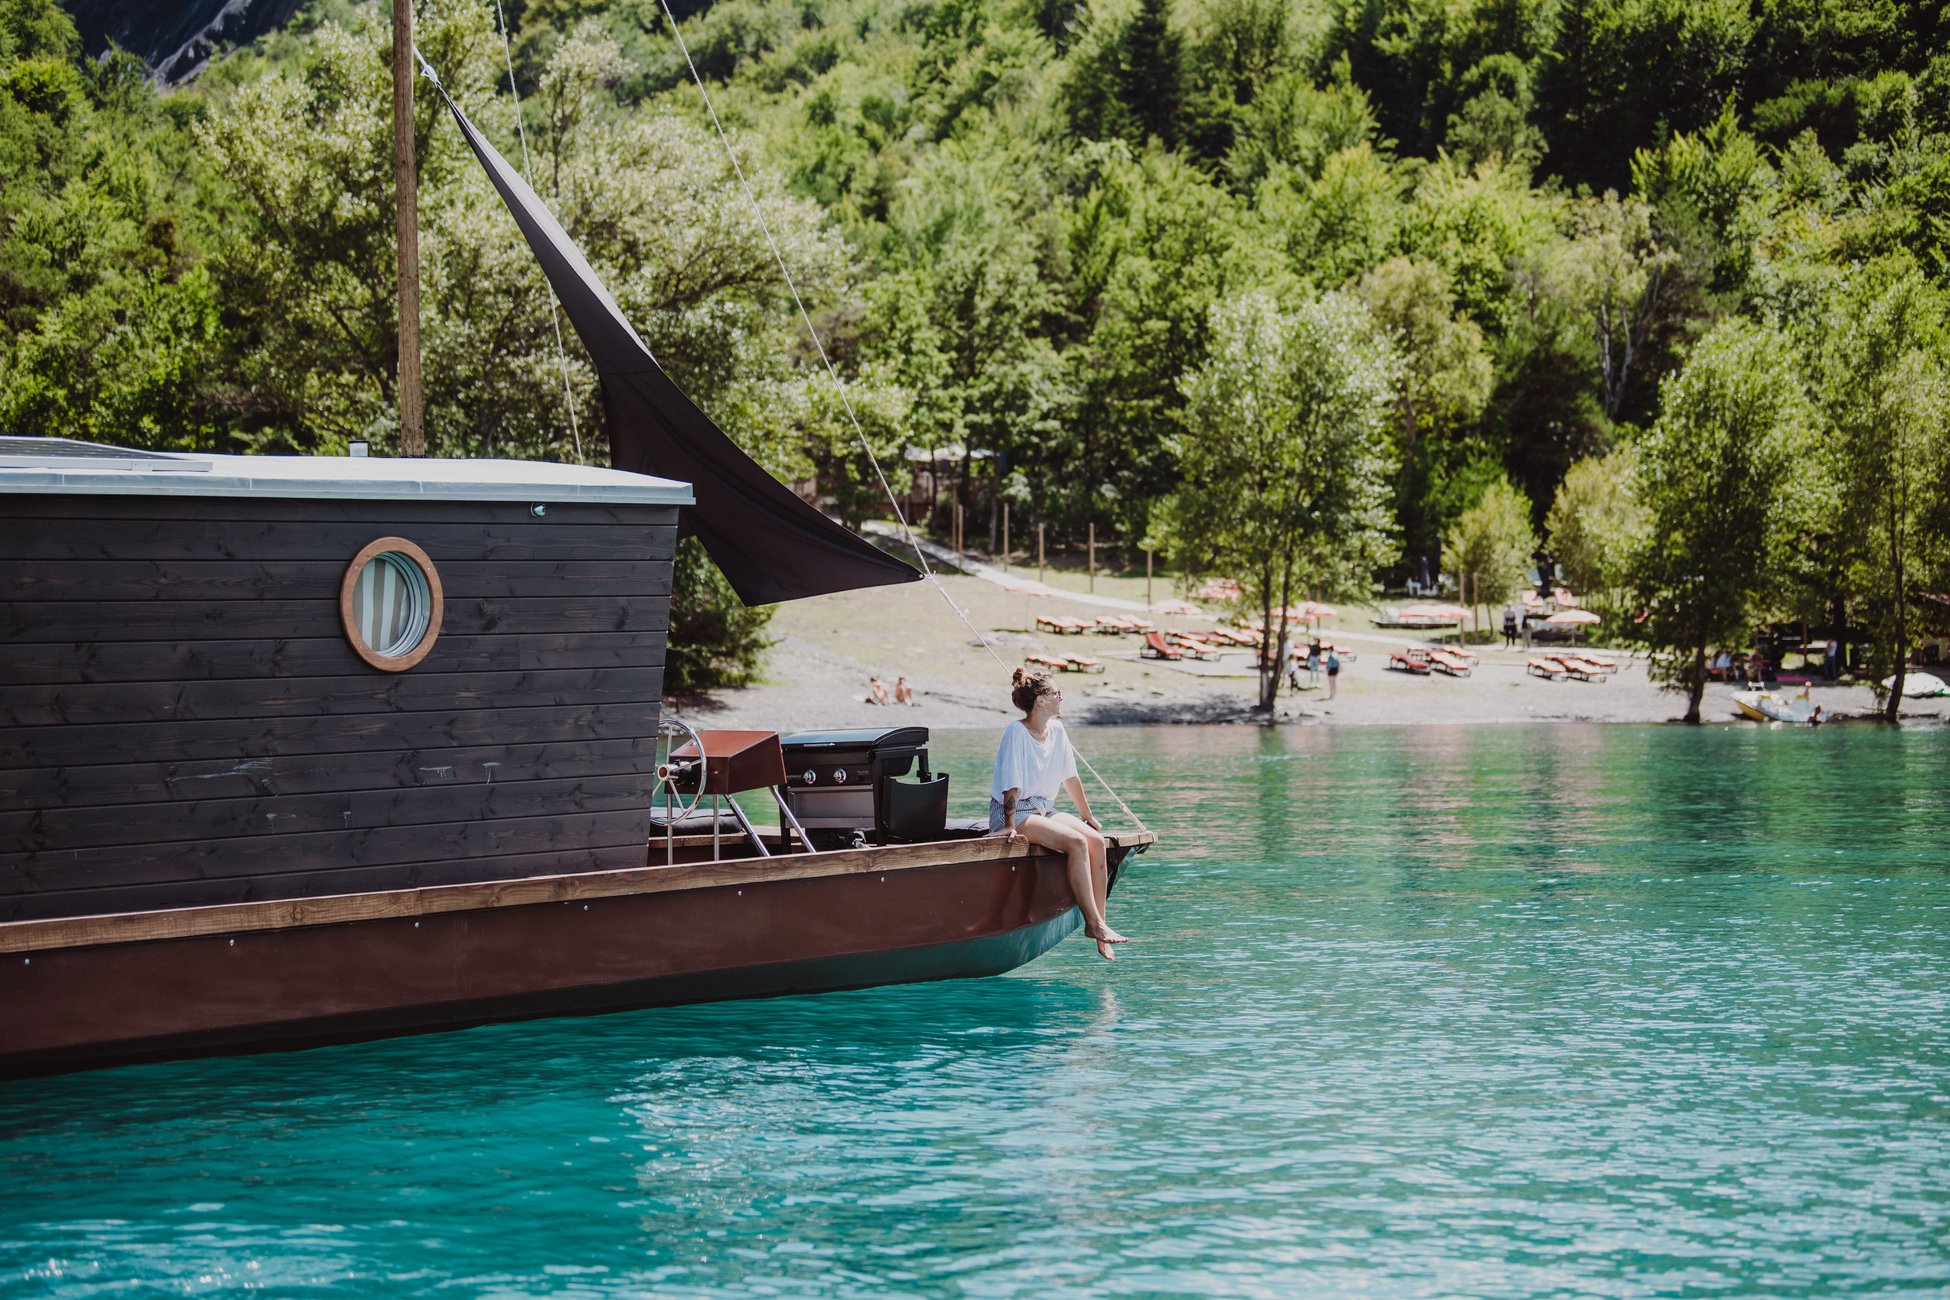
[1587, 670]
[1154, 647]
[1414, 659]
[1545, 666]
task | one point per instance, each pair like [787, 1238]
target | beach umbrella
[1314, 609]
[1573, 618]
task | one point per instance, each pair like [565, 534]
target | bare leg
[1099, 873]
[1051, 833]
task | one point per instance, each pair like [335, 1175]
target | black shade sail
[771, 545]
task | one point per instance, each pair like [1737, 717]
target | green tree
[1126, 77]
[1613, 278]
[110, 323]
[1717, 476]
[961, 318]
[1444, 390]
[1597, 523]
[715, 639]
[1885, 387]
[1294, 125]
[1285, 456]
[1491, 544]
[1621, 73]
[1150, 244]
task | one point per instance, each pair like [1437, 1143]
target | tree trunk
[1697, 687]
[995, 501]
[1892, 708]
[1266, 617]
[1269, 677]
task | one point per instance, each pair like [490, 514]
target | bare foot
[1105, 951]
[1105, 935]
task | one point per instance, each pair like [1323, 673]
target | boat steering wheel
[670, 802]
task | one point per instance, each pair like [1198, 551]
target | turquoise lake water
[1449, 1011]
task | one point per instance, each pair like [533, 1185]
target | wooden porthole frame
[436, 603]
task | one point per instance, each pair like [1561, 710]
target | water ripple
[1452, 1011]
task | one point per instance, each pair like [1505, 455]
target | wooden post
[1093, 557]
[412, 414]
[1147, 578]
[955, 527]
[1039, 553]
[1005, 536]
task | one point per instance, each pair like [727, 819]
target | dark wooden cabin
[193, 709]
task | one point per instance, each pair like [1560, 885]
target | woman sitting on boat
[1033, 761]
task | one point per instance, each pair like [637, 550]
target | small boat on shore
[1771, 706]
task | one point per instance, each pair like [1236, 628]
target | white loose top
[1035, 771]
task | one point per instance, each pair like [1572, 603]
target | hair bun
[1018, 677]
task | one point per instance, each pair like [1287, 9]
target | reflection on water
[1511, 1011]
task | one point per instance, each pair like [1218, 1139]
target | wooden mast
[412, 420]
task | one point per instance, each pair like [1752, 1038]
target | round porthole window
[390, 603]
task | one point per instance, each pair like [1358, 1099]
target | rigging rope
[554, 312]
[819, 345]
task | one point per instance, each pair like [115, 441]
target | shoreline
[816, 673]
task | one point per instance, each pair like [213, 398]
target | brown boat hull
[232, 990]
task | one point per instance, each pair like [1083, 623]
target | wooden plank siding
[101, 788]
[58, 663]
[183, 722]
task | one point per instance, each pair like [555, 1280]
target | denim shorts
[1025, 806]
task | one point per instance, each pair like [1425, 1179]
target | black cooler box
[843, 785]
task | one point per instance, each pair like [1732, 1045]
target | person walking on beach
[1313, 664]
[1509, 627]
[1034, 761]
[1333, 672]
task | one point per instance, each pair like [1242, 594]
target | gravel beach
[816, 674]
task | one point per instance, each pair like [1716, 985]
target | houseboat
[297, 750]
[301, 750]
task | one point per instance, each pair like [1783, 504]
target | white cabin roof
[59, 465]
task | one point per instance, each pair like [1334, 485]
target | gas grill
[842, 785]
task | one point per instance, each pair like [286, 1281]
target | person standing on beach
[1333, 672]
[1313, 664]
[1509, 627]
[1034, 761]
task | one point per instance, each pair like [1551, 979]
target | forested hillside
[1060, 232]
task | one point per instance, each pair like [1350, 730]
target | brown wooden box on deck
[738, 760]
